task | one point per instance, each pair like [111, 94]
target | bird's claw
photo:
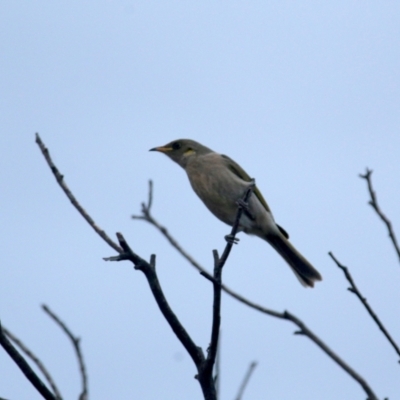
[231, 239]
[243, 204]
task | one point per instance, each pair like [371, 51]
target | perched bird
[220, 183]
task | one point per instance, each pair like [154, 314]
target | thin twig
[373, 202]
[353, 289]
[246, 379]
[307, 332]
[77, 347]
[37, 361]
[25, 367]
[147, 216]
[60, 180]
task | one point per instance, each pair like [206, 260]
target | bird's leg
[245, 204]
[245, 207]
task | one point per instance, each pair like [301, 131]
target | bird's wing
[242, 174]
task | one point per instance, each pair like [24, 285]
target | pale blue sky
[304, 95]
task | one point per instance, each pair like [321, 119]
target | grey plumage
[220, 182]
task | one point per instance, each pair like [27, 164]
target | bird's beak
[161, 149]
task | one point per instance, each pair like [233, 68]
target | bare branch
[353, 289]
[246, 379]
[374, 204]
[149, 271]
[76, 344]
[307, 332]
[60, 180]
[37, 361]
[25, 367]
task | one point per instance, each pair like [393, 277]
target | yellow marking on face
[188, 152]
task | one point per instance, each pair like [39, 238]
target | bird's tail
[304, 271]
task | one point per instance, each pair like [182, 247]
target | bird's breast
[218, 188]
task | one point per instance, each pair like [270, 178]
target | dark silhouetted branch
[246, 379]
[76, 344]
[374, 204]
[36, 360]
[353, 289]
[149, 270]
[60, 180]
[25, 367]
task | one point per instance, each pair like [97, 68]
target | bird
[221, 183]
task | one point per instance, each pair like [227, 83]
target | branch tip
[354, 289]
[76, 345]
[60, 180]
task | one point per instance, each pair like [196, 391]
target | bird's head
[182, 150]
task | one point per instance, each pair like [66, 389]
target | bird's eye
[176, 145]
